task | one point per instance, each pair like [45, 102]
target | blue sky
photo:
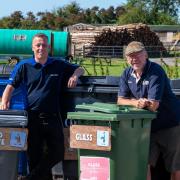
[9, 6]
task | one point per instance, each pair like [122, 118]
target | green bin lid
[110, 108]
[109, 112]
[92, 116]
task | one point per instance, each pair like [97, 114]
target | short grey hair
[40, 35]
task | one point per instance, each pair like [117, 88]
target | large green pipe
[18, 42]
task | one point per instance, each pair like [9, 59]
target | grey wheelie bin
[112, 141]
[13, 136]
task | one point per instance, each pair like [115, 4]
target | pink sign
[94, 168]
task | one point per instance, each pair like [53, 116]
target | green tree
[120, 10]
[163, 11]
[72, 8]
[5, 22]
[70, 14]
[134, 13]
[151, 12]
[95, 19]
[46, 20]
[107, 16]
[87, 14]
[30, 22]
[170, 7]
[15, 20]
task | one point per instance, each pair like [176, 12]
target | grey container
[9, 159]
[175, 84]
[13, 118]
[8, 165]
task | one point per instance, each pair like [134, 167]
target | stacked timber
[122, 35]
[117, 36]
[83, 36]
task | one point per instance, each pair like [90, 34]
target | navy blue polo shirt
[42, 84]
[154, 85]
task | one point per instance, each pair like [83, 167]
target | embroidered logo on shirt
[145, 82]
[129, 82]
[54, 74]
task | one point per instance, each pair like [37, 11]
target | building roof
[165, 28]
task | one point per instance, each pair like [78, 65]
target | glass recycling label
[102, 138]
[17, 139]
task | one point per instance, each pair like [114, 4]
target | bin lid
[110, 108]
[13, 118]
[109, 112]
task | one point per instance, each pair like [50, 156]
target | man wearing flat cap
[145, 85]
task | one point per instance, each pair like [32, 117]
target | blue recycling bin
[17, 103]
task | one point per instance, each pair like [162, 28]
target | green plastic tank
[61, 43]
[18, 42]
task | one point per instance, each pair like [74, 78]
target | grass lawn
[102, 67]
[114, 67]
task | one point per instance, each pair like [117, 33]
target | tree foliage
[151, 12]
[134, 11]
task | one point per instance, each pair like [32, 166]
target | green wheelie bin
[112, 141]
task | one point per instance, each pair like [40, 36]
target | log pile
[118, 36]
[122, 35]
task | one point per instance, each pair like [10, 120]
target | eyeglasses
[40, 44]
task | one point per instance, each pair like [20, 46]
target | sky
[9, 6]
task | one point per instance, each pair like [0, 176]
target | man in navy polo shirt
[42, 79]
[145, 85]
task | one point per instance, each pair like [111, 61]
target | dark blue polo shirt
[153, 84]
[42, 84]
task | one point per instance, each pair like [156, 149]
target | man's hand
[142, 103]
[153, 105]
[4, 106]
[74, 78]
[72, 81]
[138, 103]
[5, 103]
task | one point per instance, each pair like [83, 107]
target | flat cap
[134, 46]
